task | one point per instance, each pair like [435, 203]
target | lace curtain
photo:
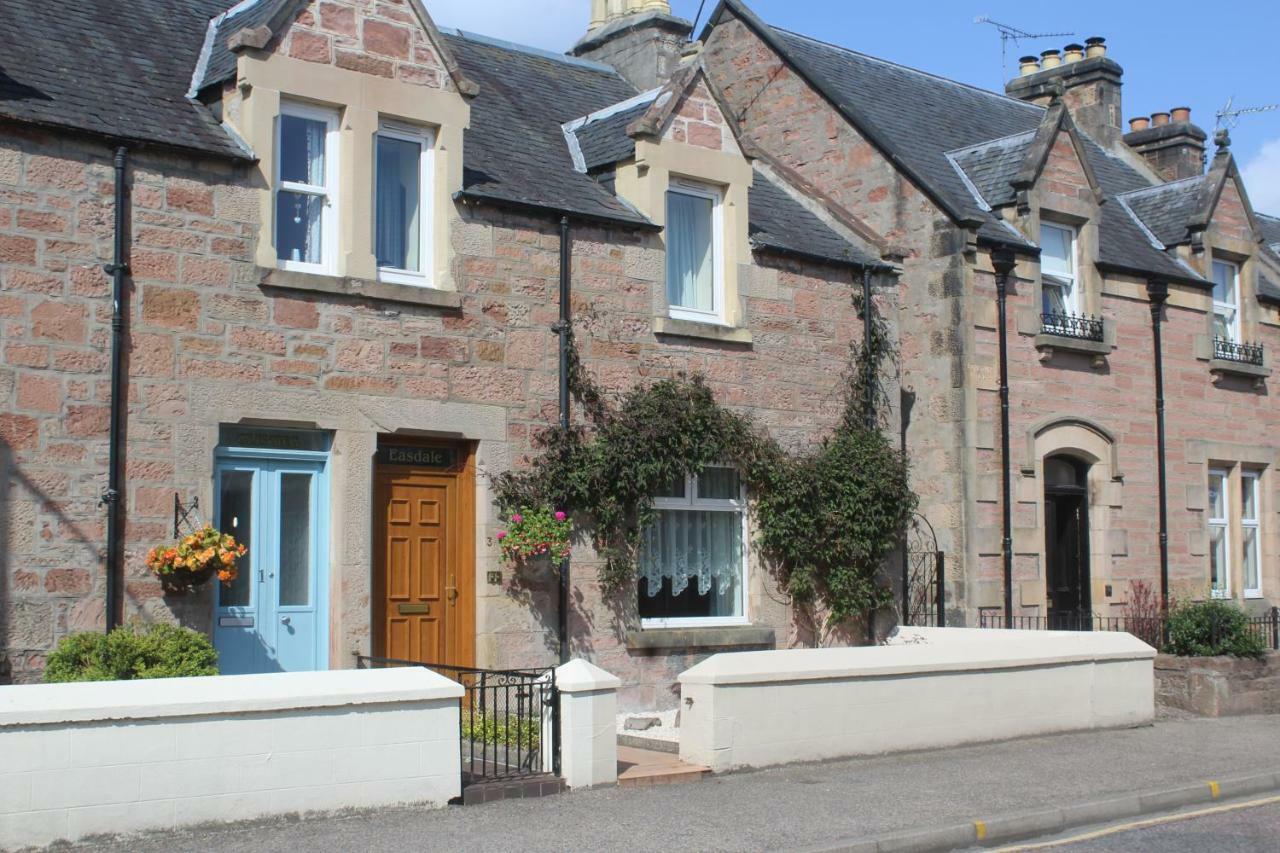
[698, 549]
[689, 244]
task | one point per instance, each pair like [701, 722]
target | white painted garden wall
[928, 687]
[119, 757]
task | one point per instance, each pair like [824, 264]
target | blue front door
[274, 616]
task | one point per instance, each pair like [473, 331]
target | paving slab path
[803, 806]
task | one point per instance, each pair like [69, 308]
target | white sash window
[1219, 534]
[1059, 286]
[695, 252]
[402, 200]
[1226, 301]
[1250, 534]
[306, 226]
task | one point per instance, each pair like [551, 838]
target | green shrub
[524, 733]
[1209, 628]
[130, 652]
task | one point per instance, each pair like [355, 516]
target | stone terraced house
[341, 237]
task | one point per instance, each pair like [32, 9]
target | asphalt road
[1250, 827]
[786, 808]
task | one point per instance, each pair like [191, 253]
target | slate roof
[1268, 291]
[1167, 208]
[604, 140]
[1270, 226]
[781, 223]
[113, 68]
[221, 62]
[991, 166]
[515, 150]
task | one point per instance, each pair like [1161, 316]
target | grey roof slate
[1167, 208]
[515, 150]
[1270, 226]
[221, 62]
[991, 166]
[1268, 291]
[604, 141]
[780, 223]
[113, 68]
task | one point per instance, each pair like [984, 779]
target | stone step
[642, 767]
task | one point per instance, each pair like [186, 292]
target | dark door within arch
[1066, 546]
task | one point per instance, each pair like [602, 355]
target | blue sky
[1174, 53]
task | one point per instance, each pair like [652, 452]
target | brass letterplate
[413, 609]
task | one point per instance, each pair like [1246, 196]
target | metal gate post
[942, 589]
[555, 725]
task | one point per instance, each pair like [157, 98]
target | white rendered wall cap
[36, 704]
[580, 676]
[921, 650]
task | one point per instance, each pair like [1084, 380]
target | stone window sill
[657, 639]
[360, 287]
[1048, 344]
[671, 327]
[1225, 367]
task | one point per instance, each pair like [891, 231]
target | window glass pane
[1224, 283]
[1057, 299]
[691, 565]
[719, 484]
[1061, 472]
[302, 150]
[1251, 580]
[298, 227]
[1217, 557]
[1248, 498]
[1224, 324]
[1217, 496]
[295, 539]
[690, 263]
[399, 236]
[1056, 257]
[674, 489]
[235, 513]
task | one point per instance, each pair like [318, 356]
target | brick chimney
[1171, 144]
[1088, 80]
[640, 38]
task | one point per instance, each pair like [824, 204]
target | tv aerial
[1009, 33]
[1228, 118]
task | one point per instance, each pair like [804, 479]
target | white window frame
[1253, 481]
[329, 192]
[697, 189]
[691, 501]
[426, 139]
[1226, 307]
[1073, 301]
[1223, 522]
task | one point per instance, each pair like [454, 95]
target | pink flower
[517, 518]
[560, 516]
[502, 534]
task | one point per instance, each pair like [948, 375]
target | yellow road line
[1214, 790]
[980, 828]
[1143, 824]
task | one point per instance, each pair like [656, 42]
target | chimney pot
[1159, 119]
[1095, 46]
[1181, 114]
[1073, 53]
[1139, 123]
[1028, 65]
[1049, 59]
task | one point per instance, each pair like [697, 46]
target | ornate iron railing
[1232, 351]
[1152, 630]
[509, 719]
[1083, 327]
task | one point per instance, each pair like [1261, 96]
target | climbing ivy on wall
[824, 517]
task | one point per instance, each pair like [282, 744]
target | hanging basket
[195, 559]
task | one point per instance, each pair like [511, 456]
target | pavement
[828, 806]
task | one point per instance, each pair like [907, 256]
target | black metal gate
[923, 577]
[509, 720]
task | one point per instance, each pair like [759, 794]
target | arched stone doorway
[1066, 545]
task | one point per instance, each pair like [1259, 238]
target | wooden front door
[424, 558]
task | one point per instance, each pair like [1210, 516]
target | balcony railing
[1080, 326]
[1238, 352]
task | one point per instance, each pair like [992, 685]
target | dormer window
[402, 232]
[1058, 279]
[695, 252]
[306, 187]
[1226, 302]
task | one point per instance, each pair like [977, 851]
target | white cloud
[1262, 178]
[548, 24]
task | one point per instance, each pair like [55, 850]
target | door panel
[236, 622]
[422, 523]
[1067, 556]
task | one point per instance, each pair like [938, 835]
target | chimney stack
[1170, 143]
[640, 38]
[1090, 82]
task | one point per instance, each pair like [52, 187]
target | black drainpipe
[1158, 293]
[1003, 261]
[562, 328]
[118, 269]
[868, 393]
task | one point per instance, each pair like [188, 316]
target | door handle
[285, 620]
